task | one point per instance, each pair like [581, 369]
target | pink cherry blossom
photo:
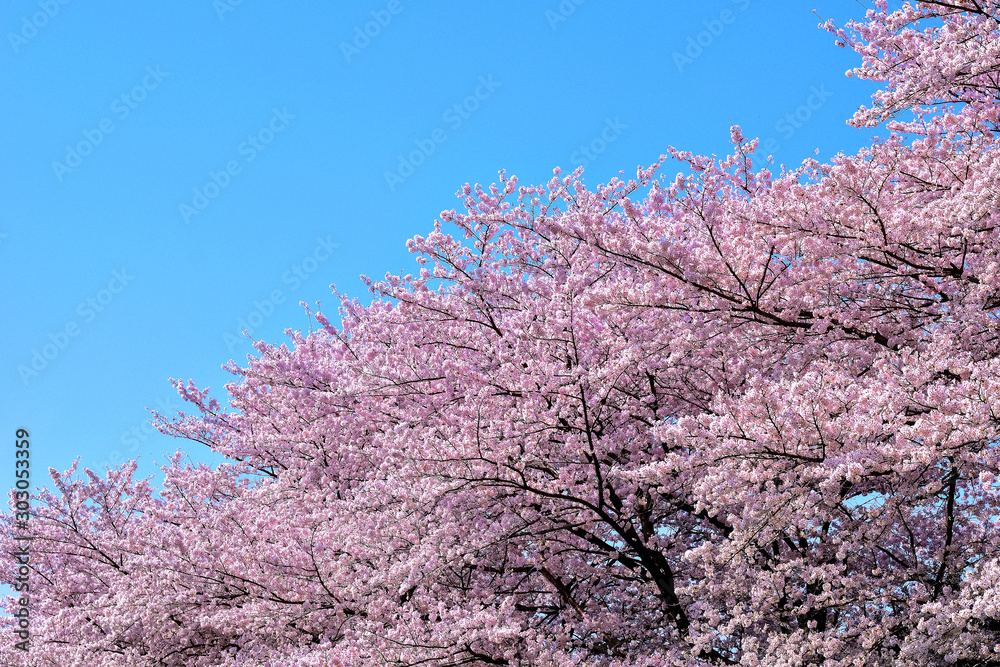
[713, 418]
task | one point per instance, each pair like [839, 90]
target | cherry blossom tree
[729, 417]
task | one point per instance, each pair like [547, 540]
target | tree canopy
[728, 417]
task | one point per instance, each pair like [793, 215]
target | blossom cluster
[727, 417]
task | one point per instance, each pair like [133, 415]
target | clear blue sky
[175, 172]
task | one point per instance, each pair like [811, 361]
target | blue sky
[176, 172]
